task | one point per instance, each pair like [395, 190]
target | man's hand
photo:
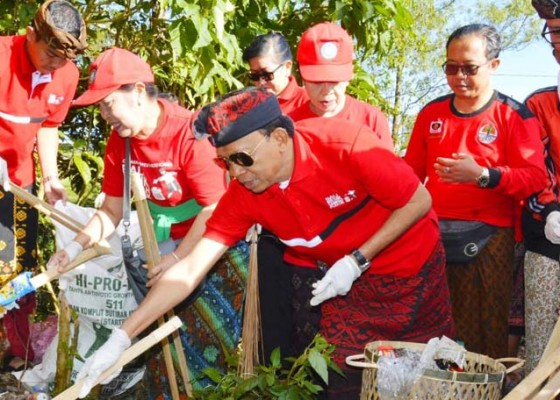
[157, 271]
[552, 227]
[4, 177]
[62, 258]
[54, 191]
[337, 281]
[102, 359]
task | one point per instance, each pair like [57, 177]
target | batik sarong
[481, 296]
[18, 252]
[211, 325]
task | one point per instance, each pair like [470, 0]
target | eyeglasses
[551, 35]
[267, 76]
[466, 69]
[241, 158]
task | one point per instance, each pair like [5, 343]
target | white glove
[4, 178]
[552, 227]
[72, 249]
[102, 359]
[252, 229]
[337, 281]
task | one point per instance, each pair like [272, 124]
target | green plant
[294, 379]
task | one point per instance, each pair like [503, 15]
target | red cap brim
[92, 96]
[326, 73]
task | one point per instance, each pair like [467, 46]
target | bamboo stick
[153, 258]
[553, 344]
[130, 354]
[57, 215]
[533, 382]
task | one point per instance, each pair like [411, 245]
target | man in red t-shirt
[351, 232]
[37, 84]
[270, 66]
[325, 55]
[479, 154]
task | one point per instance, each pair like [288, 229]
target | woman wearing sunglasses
[479, 154]
[183, 185]
[270, 67]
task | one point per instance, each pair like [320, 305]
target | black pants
[275, 289]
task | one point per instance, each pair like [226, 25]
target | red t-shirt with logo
[504, 134]
[176, 166]
[344, 187]
[25, 107]
[358, 112]
[292, 97]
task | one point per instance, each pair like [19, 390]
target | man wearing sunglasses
[270, 67]
[541, 224]
[479, 154]
[349, 228]
[37, 84]
[325, 54]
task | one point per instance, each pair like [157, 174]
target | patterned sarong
[212, 324]
[385, 307]
[481, 296]
[18, 252]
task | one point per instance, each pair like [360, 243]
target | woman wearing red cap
[324, 55]
[182, 185]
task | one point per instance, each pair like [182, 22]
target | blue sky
[521, 72]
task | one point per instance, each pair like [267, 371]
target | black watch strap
[363, 263]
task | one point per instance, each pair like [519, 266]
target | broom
[252, 334]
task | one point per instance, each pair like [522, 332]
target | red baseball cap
[325, 54]
[110, 70]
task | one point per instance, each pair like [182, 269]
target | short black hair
[487, 32]
[283, 121]
[263, 43]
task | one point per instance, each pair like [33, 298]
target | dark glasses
[551, 35]
[267, 76]
[241, 158]
[466, 69]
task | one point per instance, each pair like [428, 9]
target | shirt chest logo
[436, 127]
[487, 133]
[336, 200]
[54, 99]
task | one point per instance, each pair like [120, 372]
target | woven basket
[482, 379]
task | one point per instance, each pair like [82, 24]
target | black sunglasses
[267, 76]
[241, 158]
[466, 69]
[548, 32]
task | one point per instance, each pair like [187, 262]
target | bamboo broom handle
[57, 215]
[153, 258]
[130, 354]
[52, 273]
[46, 208]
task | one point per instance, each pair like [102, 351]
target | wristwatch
[363, 263]
[484, 179]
